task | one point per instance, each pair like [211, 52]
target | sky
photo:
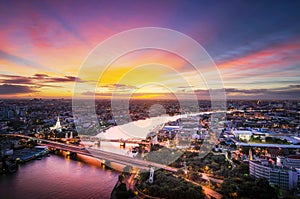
[44, 44]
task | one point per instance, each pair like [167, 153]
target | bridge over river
[116, 158]
[101, 154]
[86, 138]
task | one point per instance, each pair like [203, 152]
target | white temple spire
[57, 125]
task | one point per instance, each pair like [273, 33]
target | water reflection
[58, 177]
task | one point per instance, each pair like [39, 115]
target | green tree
[194, 176]
[127, 169]
[248, 187]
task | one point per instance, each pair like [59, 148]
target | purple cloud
[7, 89]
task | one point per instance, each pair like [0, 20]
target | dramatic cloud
[38, 79]
[15, 84]
[256, 47]
[59, 79]
[8, 89]
[279, 56]
[20, 60]
[288, 92]
[118, 86]
[41, 75]
[119, 95]
[17, 80]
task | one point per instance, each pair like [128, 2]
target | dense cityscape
[257, 148]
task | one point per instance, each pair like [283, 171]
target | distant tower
[151, 175]
[71, 135]
[250, 154]
[57, 125]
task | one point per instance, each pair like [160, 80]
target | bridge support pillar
[122, 144]
[102, 163]
[97, 144]
[151, 177]
[73, 156]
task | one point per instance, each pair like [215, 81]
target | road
[117, 158]
[212, 179]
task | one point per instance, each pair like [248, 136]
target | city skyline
[254, 45]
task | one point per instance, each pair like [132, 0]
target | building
[242, 134]
[57, 126]
[298, 172]
[285, 179]
[292, 161]
[259, 169]
[282, 177]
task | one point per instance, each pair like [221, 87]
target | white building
[292, 161]
[284, 178]
[57, 125]
[259, 169]
[242, 134]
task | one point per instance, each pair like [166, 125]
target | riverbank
[28, 154]
[10, 162]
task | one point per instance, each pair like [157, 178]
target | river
[59, 178]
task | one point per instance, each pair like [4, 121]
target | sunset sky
[255, 45]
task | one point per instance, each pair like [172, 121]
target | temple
[57, 125]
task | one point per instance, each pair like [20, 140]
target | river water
[59, 178]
